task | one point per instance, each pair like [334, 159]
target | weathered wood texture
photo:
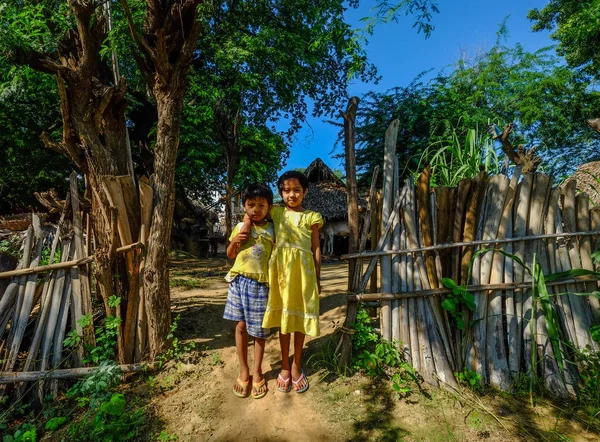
[489, 234]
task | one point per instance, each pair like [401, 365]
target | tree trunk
[169, 103]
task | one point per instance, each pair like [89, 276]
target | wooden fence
[41, 302]
[487, 234]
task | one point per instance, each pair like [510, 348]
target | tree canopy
[547, 101]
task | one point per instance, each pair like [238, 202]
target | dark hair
[290, 175]
[257, 190]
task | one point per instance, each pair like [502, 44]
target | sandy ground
[192, 398]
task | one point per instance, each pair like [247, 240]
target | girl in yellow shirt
[294, 277]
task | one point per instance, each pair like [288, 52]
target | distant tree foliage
[547, 101]
[28, 106]
[576, 28]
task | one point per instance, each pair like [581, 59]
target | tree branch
[141, 43]
[38, 61]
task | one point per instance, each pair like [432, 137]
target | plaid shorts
[247, 301]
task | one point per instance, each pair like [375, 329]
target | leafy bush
[378, 357]
[470, 379]
[22, 433]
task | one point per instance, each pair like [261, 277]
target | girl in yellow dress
[294, 277]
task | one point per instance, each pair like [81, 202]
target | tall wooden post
[349, 140]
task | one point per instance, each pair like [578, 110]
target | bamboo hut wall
[501, 342]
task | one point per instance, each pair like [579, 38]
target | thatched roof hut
[588, 180]
[327, 193]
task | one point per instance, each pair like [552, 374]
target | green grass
[189, 283]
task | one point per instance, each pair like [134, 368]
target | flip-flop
[303, 389]
[286, 382]
[244, 386]
[255, 387]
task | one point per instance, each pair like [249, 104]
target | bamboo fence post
[391, 136]
[520, 223]
[403, 303]
[585, 250]
[464, 187]
[84, 286]
[352, 191]
[384, 234]
[541, 187]
[512, 325]
[57, 301]
[10, 294]
[60, 331]
[435, 341]
[497, 360]
[375, 232]
[582, 315]
[22, 315]
[395, 306]
[76, 307]
[554, 221]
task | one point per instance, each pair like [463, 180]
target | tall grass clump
[456, 155]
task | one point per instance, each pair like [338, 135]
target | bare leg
[257, 376]
[297, 365]
[241, 345]
[284, 343]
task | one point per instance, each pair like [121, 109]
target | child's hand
[241, 238]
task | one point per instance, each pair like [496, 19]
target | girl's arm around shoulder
[316, 249]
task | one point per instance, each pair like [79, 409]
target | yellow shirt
[293, 301]
[252, 259]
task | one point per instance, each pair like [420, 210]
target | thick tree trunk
[156, 274]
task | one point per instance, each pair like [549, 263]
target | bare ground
[192, 398]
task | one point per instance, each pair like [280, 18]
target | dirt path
[193, 399]
[202, 407]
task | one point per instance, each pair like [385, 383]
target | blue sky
[400, 54]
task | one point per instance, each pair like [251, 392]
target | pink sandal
[303, 389]
[286, 382]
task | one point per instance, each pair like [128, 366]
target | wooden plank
[389, 156]
[146, 203]
[22, 316]
[432, 337]
[554, 221]
[403, 304]
[488, 243]
[490, 220]
[57, 296]
[472, 288]
[67, 373]
[383, 237]
[458, 226]
[60, 331]
[375, 233]
[84, 286]
[76, 306]
[497, 353]
[582, 317]
[582, 202]
[395, 306]
[477, 193]
[539, 204]
[131, 198]
[521, 219]
[426, 224]
[10, 294]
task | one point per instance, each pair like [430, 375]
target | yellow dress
[293, 303]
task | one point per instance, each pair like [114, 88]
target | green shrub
[377, 357]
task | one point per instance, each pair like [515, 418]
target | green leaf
[116, 405]
[55, 423]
